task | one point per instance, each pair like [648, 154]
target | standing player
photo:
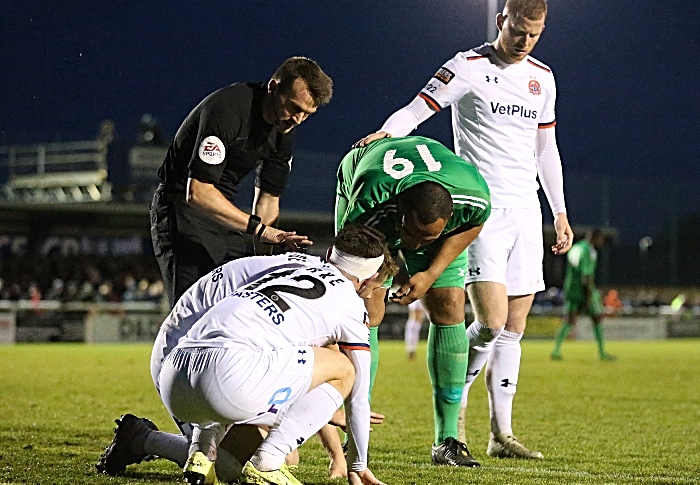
[503, 122]
[581, 295]
[257, 357]
[414, 322]
[430, 204]
[195, 225]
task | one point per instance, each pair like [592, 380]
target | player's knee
[450, 395]
[446, 307]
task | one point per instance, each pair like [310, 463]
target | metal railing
[57, 172]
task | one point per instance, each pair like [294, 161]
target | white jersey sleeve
[549, 169]
[548, 117]
[407, 119]
[358, 411]
[354, 342]
[449, 84]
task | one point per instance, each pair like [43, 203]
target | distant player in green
[581, 293]
[430, 204]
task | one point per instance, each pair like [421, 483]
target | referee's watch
[253, 223]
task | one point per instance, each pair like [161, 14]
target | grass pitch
[634, 421]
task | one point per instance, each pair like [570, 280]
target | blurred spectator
[76, 277]
[150, 132]
[130, 289]
[612, 302]
[56, 290]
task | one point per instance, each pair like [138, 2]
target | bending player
[503, 122]
[256, 357]
[430, 205]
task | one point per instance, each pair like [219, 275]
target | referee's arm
[267, 207]
[208, 199]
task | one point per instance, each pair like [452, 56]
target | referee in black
[195, 225]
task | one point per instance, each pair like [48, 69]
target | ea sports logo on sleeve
[534, 87]
[212, 150]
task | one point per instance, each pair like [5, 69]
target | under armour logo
[300, 441]
[488, 79]
[302, 359]
[506, 383]
[474, 271]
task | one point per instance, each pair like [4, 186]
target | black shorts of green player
[430, 204]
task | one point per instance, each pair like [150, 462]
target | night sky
[627, 71]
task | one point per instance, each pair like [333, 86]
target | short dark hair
[319, 84]
[429, 201]
[366, 242]
[530, 9]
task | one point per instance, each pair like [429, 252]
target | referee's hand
[289, 239]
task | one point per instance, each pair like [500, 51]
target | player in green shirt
[581, 293]
[430, 204]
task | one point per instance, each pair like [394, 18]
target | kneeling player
[200, 297]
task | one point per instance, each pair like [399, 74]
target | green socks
[598, 332]
[448, 348]
[560, 337]
[374, 350]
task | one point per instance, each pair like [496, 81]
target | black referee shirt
[223, 139]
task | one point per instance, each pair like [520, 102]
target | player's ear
[500, 20]
[272, 85]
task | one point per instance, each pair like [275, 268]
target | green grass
[632, 421]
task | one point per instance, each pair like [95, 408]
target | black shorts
[187, 243]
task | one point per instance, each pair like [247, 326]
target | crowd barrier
[53, 321]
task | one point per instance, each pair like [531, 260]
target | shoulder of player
[474, 54]
[233, 99]
[462, 62]
[538, 66]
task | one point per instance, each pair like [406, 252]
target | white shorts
[205, 385]
[162, 346]
[509, 250]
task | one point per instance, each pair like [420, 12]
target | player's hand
[365, 477]
[416, 286]
[289, 239]
[565, 236]
[370, 138]
[338, 467]
[338, 419]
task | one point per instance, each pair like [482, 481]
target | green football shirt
[370, 178]
[581, 263]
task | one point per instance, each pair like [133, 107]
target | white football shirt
[496, 111]
[314, 305]
[224, 280]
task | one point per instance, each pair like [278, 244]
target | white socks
[207, 438]
[173, 447]
[502, 379]
[412, 334]
[481, 341]
[301, 421]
